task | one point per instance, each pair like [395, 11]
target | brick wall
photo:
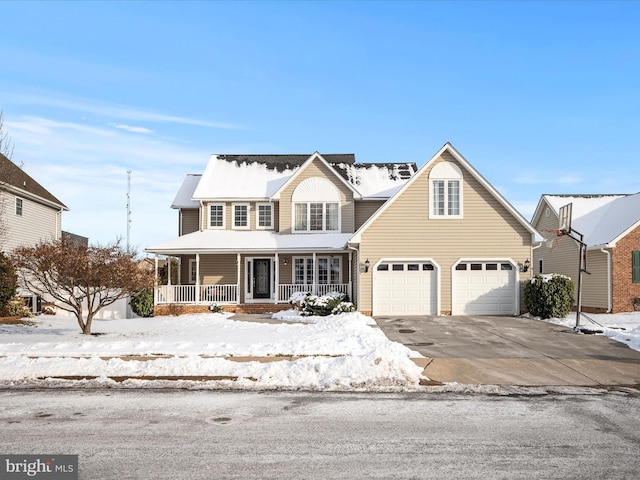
[624, 290]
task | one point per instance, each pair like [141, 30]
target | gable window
[316, 206]
[216, 215]
[445, 181]
[264, 215]
[241, 215]
[635, 266]
[18, 206]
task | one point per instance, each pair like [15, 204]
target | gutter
[609, 282]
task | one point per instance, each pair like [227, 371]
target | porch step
[257, 308]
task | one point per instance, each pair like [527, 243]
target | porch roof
[233, 241]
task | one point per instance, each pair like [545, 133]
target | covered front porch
[229, 268]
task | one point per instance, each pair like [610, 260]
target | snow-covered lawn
[337, 352]
[623, 327]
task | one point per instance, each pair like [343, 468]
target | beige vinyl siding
[595, 290]
[317, 169]
[37, 223]
[486, 231]
[216, 269]
[189, 221]
[365, 209]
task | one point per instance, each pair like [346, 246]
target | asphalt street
[174, 434]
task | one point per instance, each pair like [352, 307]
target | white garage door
[484, 288]
[405, 288]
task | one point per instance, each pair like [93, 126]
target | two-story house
[29, 213]
[254, 229]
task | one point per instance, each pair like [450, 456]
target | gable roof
[263, 176]
[601, 219]
[311, 159]
[447, 147]
[16, 179]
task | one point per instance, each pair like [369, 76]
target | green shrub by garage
[549, 295]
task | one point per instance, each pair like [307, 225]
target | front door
[262, 278]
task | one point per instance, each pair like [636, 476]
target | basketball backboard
[564, 218]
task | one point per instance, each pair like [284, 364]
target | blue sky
[541, 97]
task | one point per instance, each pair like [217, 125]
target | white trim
[247, 216]
[271, 207]
[446, 172]
[15, 206]
[357, 236]
[314, 156]
[516, 282]
[248, 283]
[435, 264]
[224, 216]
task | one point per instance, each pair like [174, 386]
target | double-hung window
[216, 215]
[316, 217]
[264, 216]
[240, 215]
[328, 268]
[446, 191]
[18, 206]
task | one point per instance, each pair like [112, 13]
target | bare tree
[74, 274]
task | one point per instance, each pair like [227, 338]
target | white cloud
[129, 128]
[115, 110]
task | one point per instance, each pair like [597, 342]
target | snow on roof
[261, 176]
[377, 180]
[600, 218]
[250, 241]
[224, 178]
[185, 194]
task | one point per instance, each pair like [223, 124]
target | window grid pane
[453, 197]
[264, 215]
[315, 216]
[323, 271]
[335, 271]
[299, 271]
[216, 216]
[438, 197]
[240, 216]
[19, 206]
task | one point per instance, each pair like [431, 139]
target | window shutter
[635, 262]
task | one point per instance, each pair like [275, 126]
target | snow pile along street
[344, 351]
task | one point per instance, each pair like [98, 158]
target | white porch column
[155, 281]
[350, 277]
[168, 270]
[197, 297]
[179, 270]
[238, 284]
[277, 280]
[315, 275]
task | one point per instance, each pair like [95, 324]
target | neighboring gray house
[253, 229]
[611, 228]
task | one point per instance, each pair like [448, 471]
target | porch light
[525, 267]
[284, 261]
[364, 267]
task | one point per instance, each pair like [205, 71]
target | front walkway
[513, 351]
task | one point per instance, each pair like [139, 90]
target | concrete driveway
[513, 351]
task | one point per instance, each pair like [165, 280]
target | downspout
[354, 298]
[609, 282]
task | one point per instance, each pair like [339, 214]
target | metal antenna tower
[128, 208]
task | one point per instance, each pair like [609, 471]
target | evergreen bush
[333, 303]
[142, 303]
[549, 295]
[8, 281]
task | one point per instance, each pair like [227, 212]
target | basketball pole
[582, 268]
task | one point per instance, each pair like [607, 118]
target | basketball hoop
[552, 237]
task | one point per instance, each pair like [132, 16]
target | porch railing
[187, 294]
[286, 290]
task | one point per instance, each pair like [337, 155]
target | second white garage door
[484, 288]
[405, 288]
